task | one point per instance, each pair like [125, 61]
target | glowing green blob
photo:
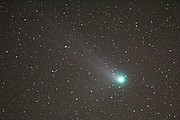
[121, 79]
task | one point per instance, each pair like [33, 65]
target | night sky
[87, 60]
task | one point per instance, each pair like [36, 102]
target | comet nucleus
[120, 79]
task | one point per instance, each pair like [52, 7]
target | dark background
[57, 59]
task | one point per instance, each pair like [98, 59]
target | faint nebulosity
[89, 60]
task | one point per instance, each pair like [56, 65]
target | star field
[87, 60]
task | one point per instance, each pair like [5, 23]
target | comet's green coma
[121, 79]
